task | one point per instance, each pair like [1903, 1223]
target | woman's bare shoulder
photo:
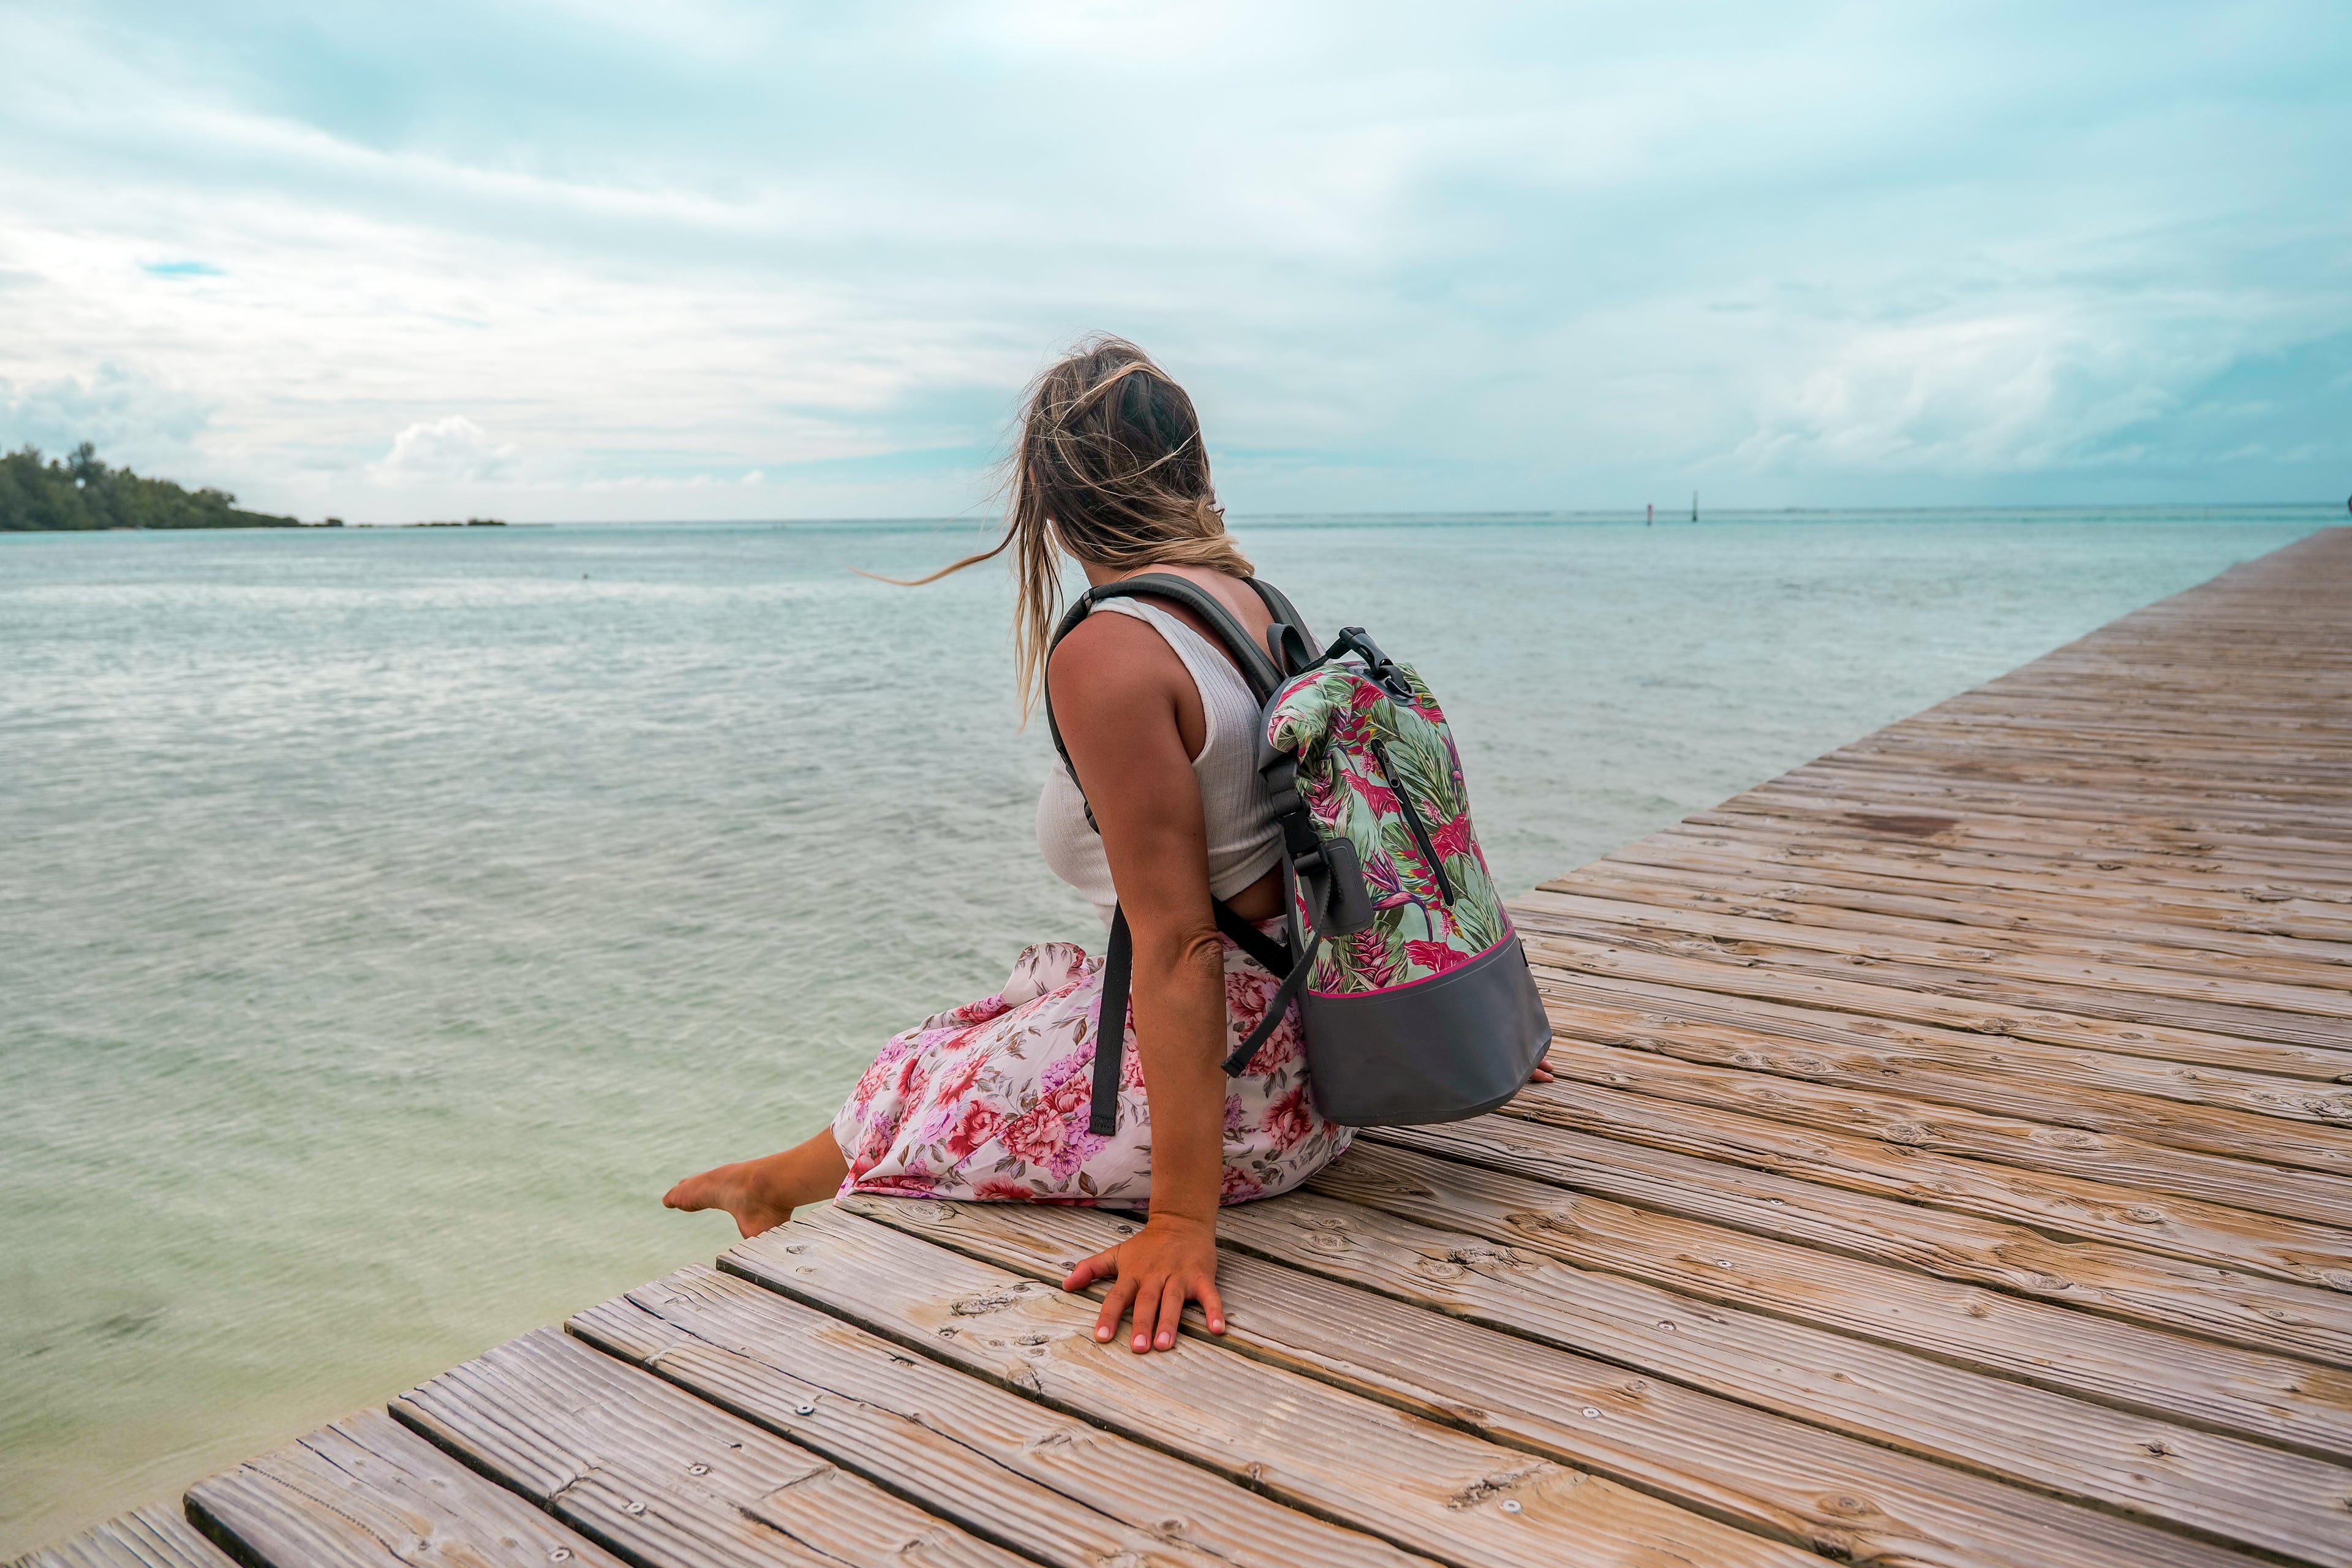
[1113, 658]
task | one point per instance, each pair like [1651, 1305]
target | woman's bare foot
[746, 1189]
[761, 1194]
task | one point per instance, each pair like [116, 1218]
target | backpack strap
[1110, 1029]
[1263, 670]
[1119, 975]
[1287, 638]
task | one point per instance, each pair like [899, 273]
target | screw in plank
[803, 1409]
[1511, 1505]
[561, 1555]
[698, 1470]
[1592, 1413]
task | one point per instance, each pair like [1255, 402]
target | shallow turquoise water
[387, 918]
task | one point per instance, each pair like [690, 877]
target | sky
[581, 259]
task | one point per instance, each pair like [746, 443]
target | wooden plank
[2249, 907]
[2007, 895]
[147, 1538]
[2118, 736]
[2059, 1205]
[365, 1492]
[1881, 989]
[1386, 1343]
[2206, 723]
[2199, 863]
[1866, 807]
[1406, 1477]
[2114, 1158]
[2155, 774]
[2218, 1111]
[2145, 1288]
[1006, 1468]
[1861, 914]
[664, 1478]
[2165, 1377]
[2149, 978]
[1913, 748]
[2304, 805]
[2259, 1079]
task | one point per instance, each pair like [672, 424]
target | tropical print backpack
[1416, 998]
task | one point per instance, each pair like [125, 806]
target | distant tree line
[78, 491]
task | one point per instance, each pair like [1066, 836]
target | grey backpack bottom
[1446, 1048]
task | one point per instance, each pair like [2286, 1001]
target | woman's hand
[1543, 1069]
[1171, 1261]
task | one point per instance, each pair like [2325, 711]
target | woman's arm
[1130, 716]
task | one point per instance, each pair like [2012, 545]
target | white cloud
[450, 449]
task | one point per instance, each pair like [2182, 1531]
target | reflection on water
[390, 916]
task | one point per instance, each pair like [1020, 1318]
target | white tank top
[1244, 840]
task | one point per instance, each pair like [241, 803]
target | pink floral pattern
[1348, 735]
[990, 1100]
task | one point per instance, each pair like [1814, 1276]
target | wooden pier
[1951, 1163]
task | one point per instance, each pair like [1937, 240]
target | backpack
[1416, 999]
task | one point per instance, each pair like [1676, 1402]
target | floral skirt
[991, 1100]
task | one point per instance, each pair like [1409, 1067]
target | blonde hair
[1110, 467]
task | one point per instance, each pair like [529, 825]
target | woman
[990, 1101]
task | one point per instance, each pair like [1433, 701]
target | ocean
[388, 917]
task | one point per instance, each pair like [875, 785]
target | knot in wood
[1844, 1505]
[2144, 1213]
[982, 1304]
[926, 1211]
[2069, 1138]
[1905, 1132]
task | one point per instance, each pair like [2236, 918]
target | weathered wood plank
[2114, 1158]
[2085, 837]
[1006, 1468]
[2112, 857]
[2057, 772]
[2116, 793]
[1870, 989]
[1424, 1486]
[1861, 914]
[2116, 737]
[365, 1492]
[2300, 802]
[1550, 1403]
[2300, 807]
[1593, 908]
[147, 1538]
[1712, 849]
[1885, 774]
[2167, 1378]
[1846, 880]
[663, 1478]
[1891, 1167]
[2145, 1288]
[2210, 1110]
